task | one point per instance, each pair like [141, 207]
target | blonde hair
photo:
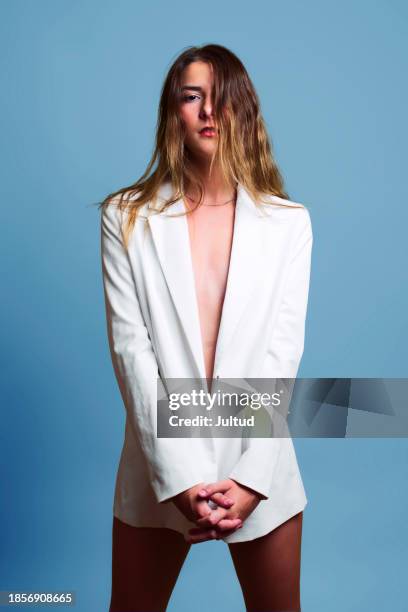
[244, 152]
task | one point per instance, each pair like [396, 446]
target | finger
[212, 519]
[221, 486]
[225, 524]
[223, 534]
[203, 509]
[196, 535]
[200, 535]
[222, 500]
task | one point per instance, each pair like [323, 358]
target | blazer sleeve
[256, 466]
[169, 461]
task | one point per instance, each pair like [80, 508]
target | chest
[210, 240]
[224, 274]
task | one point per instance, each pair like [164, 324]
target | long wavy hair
[244, 151]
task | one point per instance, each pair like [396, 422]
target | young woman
[206, 266]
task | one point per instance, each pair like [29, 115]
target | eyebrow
[193, 87]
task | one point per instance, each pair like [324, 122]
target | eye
[188, 98]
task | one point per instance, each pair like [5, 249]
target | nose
[206, 108]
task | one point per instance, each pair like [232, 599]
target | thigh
[268, 568]
[146, 562]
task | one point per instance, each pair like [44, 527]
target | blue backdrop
[81, 84]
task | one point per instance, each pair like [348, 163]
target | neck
[216, 189]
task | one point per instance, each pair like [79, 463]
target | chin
[202, 152]
[206, 155]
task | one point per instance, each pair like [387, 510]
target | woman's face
[196, 109]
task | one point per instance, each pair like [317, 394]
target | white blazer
[154, 331]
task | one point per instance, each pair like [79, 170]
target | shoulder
[295, 214]
[115, 210]
[110, 213]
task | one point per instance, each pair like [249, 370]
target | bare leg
[146, 562]
[268, 568]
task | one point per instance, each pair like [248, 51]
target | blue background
[81, 85]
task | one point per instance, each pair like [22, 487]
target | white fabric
[153, 329]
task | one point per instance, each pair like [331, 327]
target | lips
[209, 130]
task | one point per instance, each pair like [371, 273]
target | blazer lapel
[172, 242]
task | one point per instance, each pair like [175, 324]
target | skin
[146, 563]
[196, 112]
[268, 567]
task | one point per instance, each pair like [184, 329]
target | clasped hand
[235, 503]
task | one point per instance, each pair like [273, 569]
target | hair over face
[244, 152]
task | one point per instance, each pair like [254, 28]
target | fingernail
[202, 492]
